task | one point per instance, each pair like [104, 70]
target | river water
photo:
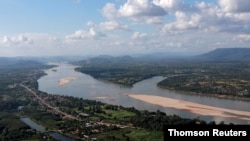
[87, 87]
[40, 128]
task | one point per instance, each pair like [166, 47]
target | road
[48, 105]
[63, 113]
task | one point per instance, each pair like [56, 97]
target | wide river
[87, 87]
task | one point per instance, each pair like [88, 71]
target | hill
[227, 54]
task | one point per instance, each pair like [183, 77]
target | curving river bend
[87, 87]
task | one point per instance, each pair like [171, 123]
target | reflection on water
[89, 88]
[40, 128]
[32, 124]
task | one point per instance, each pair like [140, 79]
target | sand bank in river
[66, 80]
[191, 107]
[101, 97]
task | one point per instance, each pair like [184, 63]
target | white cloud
[242, 37]
[135, 10]
[81, 34]
[113, 25]
[17, 40]
[235, 5]
[220, 20]
[164, 25]
[138, 35]
[154, 20]
[95, 34]
[31, 44]
[109, 11]
[6, 40]
[22, 38]
[210, 18]
[182, 23]
[169, 4]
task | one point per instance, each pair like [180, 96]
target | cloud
[113, 25]
[81, 34]
[109, 11]
[182, 23]
[31, 44]
[20, 39]
[154, 25]
[242, 37]
[235, 5]
[154, 20]
[138, 35]
[209, 17]
[6, 40]
[215, 17]
[169, 4]
[135, 10]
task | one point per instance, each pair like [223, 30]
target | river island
[66, 80]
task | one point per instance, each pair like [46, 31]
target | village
[81, 125]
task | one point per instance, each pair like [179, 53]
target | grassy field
[131, 134]
[116, 115]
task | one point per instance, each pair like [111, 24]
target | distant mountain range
[17, 60]
[226, 54]
[218, 55]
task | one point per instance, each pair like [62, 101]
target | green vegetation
[13, 97]
[230, 79]
[85, 119]
[131, 134]
[121, 70]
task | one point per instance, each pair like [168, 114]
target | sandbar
[195, 108]
[101, 97]
[66, 80]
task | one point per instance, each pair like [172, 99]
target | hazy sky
[94, 27]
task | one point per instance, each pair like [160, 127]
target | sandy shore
[66, 80]
[191, 107]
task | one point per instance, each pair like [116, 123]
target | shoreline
[208, 95]
[192, 107]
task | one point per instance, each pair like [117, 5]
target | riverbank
[87, 87]
[208, 95]
[191, 107]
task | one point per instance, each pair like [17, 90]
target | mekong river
[87, 87]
